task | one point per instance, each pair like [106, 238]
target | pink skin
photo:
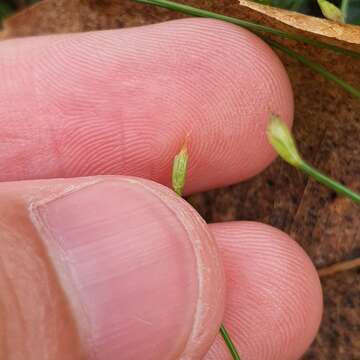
[123, 102]
[274, 293]
[127, 249]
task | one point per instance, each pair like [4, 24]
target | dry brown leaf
[327, 126]
[327, 28]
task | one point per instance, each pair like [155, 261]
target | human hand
[121, 268]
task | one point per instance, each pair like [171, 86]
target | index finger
[123, 102]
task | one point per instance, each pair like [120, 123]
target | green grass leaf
[316, 67]
[280, 137]
[351, 11]
[232, 349]
[252, 26]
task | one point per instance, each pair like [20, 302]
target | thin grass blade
[330, 183]
[232, 349]
[283, 142]
[257, 28]
[316, 67]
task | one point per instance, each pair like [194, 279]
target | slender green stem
[257, 28]
[235, 355]
[193, 11]
[316, 67]
[179, 172]
[280, 137]
[330, 183]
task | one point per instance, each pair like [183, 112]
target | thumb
[105, 267]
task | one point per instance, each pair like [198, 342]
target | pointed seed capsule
[179, 171]
[330, 11]
[283, 142]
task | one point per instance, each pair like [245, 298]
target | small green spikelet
[330, 11]
[179, 170]
[283, 142]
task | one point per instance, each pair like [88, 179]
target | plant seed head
[283, 142]
[179, 171]
[330, 11]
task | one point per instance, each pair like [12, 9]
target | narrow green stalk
[235, 355]
[178, 177]
[257, 28]
[316, 67]
[283, 142]
[193, 11]
[330, 183]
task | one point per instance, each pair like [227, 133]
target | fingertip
[274, 296]
[123, 102]
[231, 83]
